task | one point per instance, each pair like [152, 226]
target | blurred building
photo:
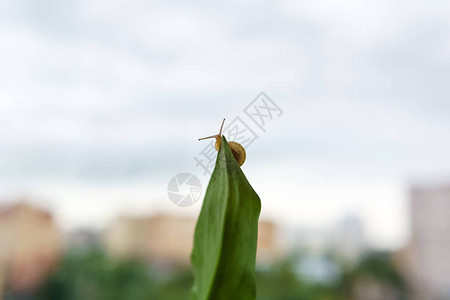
[370, 289]
[317, 268]
[270, 247]
[30, 245]
[81, 239]
[345, 239]
[160, 238]
[168, 239]
[429, 249]
[348, 239]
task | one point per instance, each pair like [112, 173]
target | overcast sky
[102, 102]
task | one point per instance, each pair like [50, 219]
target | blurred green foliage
[93, 275]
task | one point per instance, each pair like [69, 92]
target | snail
[236, 148]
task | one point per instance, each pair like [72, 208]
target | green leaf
[224, 253]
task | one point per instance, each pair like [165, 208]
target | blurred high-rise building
[348, 238]
[30, 246]
[429, 250]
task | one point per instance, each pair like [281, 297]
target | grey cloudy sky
[101, 102]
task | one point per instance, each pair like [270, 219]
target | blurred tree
[96, 276]
[375, 269]
[281, 282]
[93, 275]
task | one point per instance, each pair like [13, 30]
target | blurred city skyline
[102, 102]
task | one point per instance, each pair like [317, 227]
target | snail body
[236, 148]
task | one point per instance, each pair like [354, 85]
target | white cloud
[121, 89]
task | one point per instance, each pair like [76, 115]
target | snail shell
[236, 148]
